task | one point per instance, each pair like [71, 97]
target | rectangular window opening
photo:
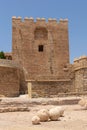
[40, 48]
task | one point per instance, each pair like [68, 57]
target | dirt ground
[74, 119]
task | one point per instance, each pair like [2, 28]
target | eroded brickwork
[9, 78]
[40, 61]
[41, 47]
[50, 88]
[42, 50]
[80, 70]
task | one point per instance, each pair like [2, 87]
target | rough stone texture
[26, 104]
[13, 109]
[41, 50]
[49, 88]
[80, 70]
[9, 78]
[73, 120]
[54, 114]
[8, 55]
[43, 114]
[35, 120]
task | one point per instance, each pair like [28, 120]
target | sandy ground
[74, 119]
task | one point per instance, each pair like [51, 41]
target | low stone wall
[50, 88]
[9, 63]
[81, 80]
[9, 79]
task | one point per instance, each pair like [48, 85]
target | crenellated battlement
[50, 20]
[80, 62]
[40, 60]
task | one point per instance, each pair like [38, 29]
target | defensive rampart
[80, 71]
[9, 78]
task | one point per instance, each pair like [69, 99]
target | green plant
[2, 55]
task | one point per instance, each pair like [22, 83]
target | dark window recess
[40, 33]
[40, 48]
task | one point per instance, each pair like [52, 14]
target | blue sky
[74, 10]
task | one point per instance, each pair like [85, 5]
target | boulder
[82, 102]
[35, 120]
[43, 114]
[54, 114]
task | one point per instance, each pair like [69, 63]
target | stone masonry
[41, 50]
[41, 47]
[9, 78]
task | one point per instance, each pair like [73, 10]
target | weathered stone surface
[9, 78]
[43, 114]
[54, 114]
[40, 57]
[24, 104]
[13, 109]
[42, 50]
[35, 120]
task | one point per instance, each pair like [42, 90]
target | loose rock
[35, 120]
[54, 114]
[82, 102]
[43, 114]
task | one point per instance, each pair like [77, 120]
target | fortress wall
[80, 62]
[9, 78]
[40, 56]
[80, 70]
[28, 35]
[50, 88]
[42, 49]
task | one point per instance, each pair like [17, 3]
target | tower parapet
[80, 63]
[80, 72]
[50, 20]
[40, 19]
[17, 19]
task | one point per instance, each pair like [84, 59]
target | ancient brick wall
[50, 88]
[23, 85]
[80, 70]
[8, 55]
[40, 57]
[9, 78]
[41, 47]
[53, 87]
[42, 50]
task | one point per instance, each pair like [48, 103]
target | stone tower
[41, 48]
[39, 62]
